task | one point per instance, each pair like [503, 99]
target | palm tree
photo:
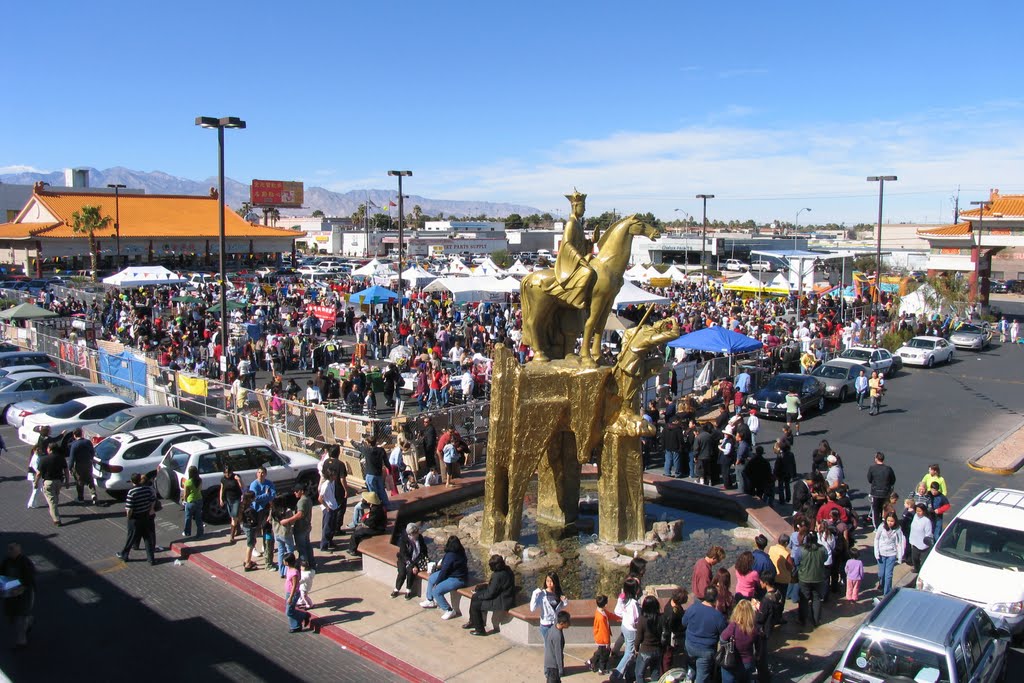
[87, 222]
[275, 216]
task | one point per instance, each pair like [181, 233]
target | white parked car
[243, 454]
[980, 557]
[121, 455]
[69, 416]
[926, 351]
[11, 370]
[876, 359]
[15, 415]
[736, 265]
[762, 265]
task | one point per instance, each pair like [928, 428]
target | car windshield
[856, 354]
[5, 382]
[115, 420]
[785, 385]
[921, 344]
[891, 660]
[830, 372]
[969, 329]
[66, 410]
[998, 547]
[107, 449]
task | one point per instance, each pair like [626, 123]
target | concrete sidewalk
[358, 613]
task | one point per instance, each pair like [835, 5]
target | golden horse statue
[551, 326]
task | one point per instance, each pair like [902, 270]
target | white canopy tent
[637, 272]
[457, 267]
[143, 276]
[518, 268]
[367, 270]
[651, 273]
[488, 267]
[922, 301]
[467, 289]
[631, 294]
[674, 273]
[418, 277]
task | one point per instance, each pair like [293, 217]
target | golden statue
[551, 417]
[551, 323]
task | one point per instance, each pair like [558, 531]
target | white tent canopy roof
[631, 294]
[473, 288]
[635, 273]
[518, 268]
[368, 269]
[143, 276]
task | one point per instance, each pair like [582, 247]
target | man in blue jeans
[373, 458]
[703, 624]
[672, 438]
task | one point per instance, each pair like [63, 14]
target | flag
[372, 205]
[390, 204]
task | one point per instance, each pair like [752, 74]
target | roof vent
[76, 177]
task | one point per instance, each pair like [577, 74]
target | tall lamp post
[220, 124]
[977, 259]
[117, 219]
[704, 235]
[880, 179]
[796, 225]
[401, 228]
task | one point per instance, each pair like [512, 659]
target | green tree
[417, 217]
[547, 218]
[380, 221]
[318, 213]
[359, 215]
[514, 222]
[501, 258]
[601, 222]
[244, 210]
[87, 222]
[531, 221]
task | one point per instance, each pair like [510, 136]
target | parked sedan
[926, 351]
[144, 417]
[876, 359]
[974, 336]
[770, 400]
[28, 386]
[69, 416]
[839, 375]
[15, 415]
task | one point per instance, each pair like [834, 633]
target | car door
[984, 649]
[278, 471]
[943, 350]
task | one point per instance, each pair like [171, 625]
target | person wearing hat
[373, 522]
[834, 477]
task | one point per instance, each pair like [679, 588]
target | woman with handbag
[736, 656]
[412, 559]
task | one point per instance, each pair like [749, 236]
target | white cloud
[761, 172]
[20, 169]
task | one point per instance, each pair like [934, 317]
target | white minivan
[980, 557]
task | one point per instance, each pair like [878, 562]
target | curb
[344, 638]
[973, 463]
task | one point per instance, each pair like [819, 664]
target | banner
[124, 370]
[197, 386]
[327, 315]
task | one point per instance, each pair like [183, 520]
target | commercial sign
[284, 193]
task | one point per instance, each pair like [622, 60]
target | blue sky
[772, 107]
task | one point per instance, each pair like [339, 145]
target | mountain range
[235, 193]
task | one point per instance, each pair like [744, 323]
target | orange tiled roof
[957, 230]
[1007, 205]
[145, 216]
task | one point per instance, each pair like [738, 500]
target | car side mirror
[1003, 633]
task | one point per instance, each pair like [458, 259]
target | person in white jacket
[627, 608]
[550, 601]
[754, 425]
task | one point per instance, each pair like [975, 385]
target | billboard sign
[283, 193]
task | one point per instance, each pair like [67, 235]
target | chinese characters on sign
[284, 193]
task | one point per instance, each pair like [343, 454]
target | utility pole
[880, 179]
[704, 235]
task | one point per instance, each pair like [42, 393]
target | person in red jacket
[940, 505]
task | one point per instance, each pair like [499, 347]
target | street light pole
[877, 299]
[796, 225]
[401, 228]
[220, 124]
[117, 219]
[977, 259]
[704, 235]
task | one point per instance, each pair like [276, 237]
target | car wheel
[213, 511]
[931, 362]
[165, 486]
[3, 415]
[949, 358]
[821, 403]
[842, 395]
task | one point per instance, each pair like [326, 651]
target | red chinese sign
[327, 316]
[285, 193]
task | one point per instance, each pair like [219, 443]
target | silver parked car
[973, 336]
[839, 375]
[146, 417]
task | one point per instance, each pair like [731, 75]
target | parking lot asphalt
[99, 619]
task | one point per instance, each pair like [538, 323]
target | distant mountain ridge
[331, 203]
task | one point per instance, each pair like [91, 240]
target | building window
[996, 275]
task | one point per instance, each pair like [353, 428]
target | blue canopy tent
[373, 295]
[717, 340]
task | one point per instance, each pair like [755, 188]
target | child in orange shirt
[598, 663]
